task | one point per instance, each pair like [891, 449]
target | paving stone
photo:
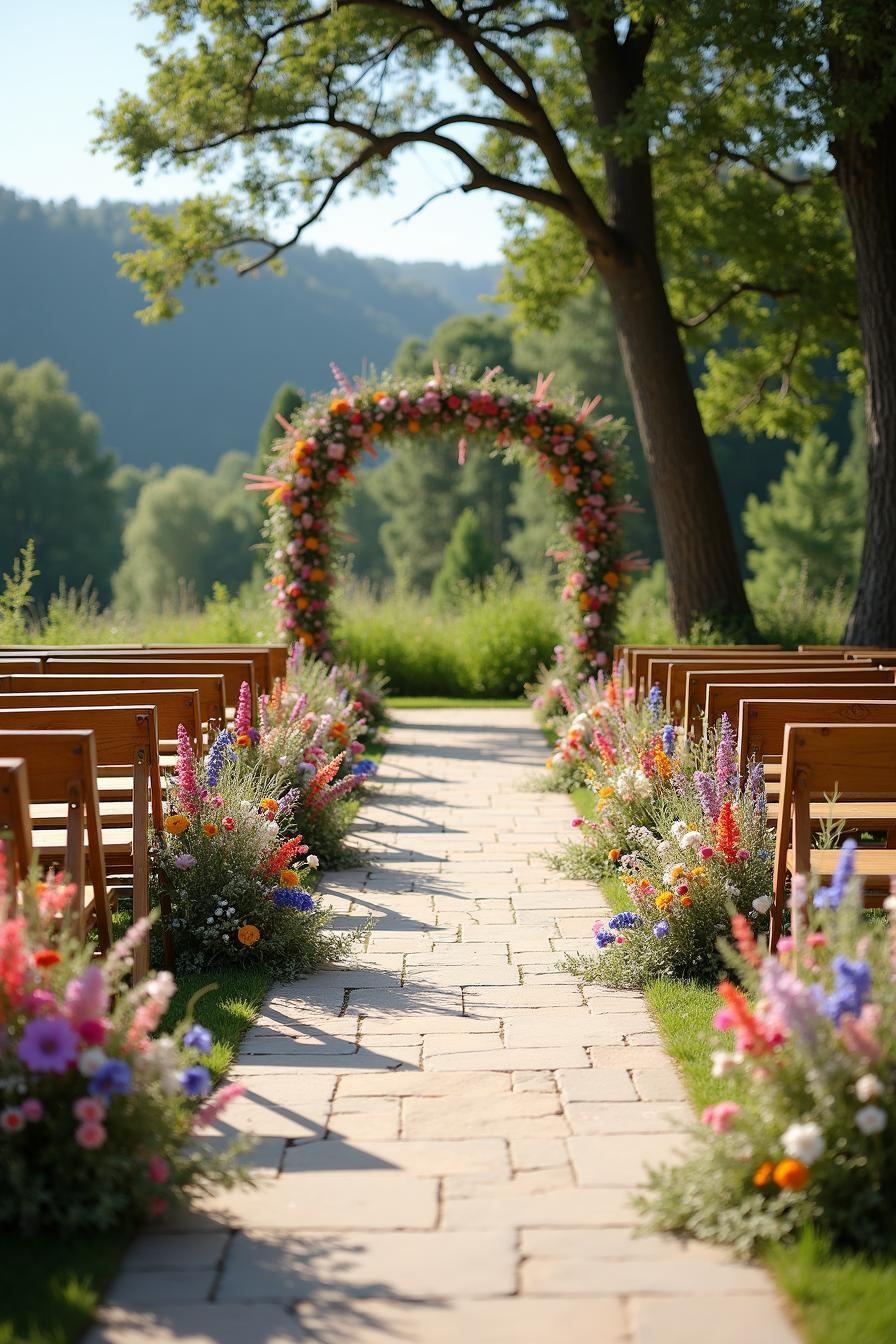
[681, 1320]
[374, 1197]
[442, 1043]
[619, 1159]
[546, 1057]
[513, 1320]
[622, 1117]
[369, 1265]
[596, 1085]
[144, 1288]
[408, 1084]
[533, 1080]
[419, 1157]
[537, 1154]
[502, 1205]
[205, 1323]
[519, 1115]
[154, 1251]
[688, 1277]
[659, 1084]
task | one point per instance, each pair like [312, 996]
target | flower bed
[98, 1115]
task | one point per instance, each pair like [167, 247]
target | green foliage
[287, 399]
[188, 531]
[812, 520]
[54, 471]
[490, 648]
[15, 598]
[467, 560]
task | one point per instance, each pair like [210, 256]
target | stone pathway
[451, 1130]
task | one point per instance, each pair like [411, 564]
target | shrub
[810, 1138]
[98, 1116]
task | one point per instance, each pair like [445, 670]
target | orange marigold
[791, 1174]
[248, 935]
[176, 824]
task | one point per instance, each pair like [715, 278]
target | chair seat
[867, 815]
[873, 865]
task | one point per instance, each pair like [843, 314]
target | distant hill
[194, 388]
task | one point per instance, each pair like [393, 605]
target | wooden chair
[697, 682]
[126, 744]
[233, 671]
[858, 763]
[137, 687]
[62, 771]
[678, 672]
[727, 699]
[15, 817]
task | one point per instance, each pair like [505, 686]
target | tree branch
[789, 184]
[742, 287]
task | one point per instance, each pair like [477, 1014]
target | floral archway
[581, 457]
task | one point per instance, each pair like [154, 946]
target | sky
[60, 58]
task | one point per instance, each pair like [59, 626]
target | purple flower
[626, 919]
[832, 896]
[852, 985]
[291, 898]
[669, 739]
[198, 1038]
[112, 1079]
[603, 938]
[48, 1045]
[661, 929]
[655, 703]
[708, 794]
[794, 1003]
[196, 1081]
[757, 785]
[221, 751]
[185, 861]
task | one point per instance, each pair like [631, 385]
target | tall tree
[571, 101]
[57, 482]
[287, 399]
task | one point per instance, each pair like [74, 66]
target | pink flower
[158, 1170]
[90, 1135]
[87, 997]
[157, 1206]
[93, 1032]
[32, 1109]
[12, 1119]
[187, 785]
[207, 1114]
[89, 1110]
[243, 721]
[719, 1116]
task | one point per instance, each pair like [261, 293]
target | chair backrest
[234, 671]
[15, 818]
[726, 698]
[173, 707]
[763, 723]
[208, 687]
[676, 670]
[62, 770]
[637, 656]
[268, 660]
[698, 682]
[857, 761]
[16, 664]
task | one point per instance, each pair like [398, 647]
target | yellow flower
[665, 898]
[288, 878]
[606, 791]
[248, 935]
[176, 824]
[676, 871]
[339, 406]
[696, 872]
[210, 828]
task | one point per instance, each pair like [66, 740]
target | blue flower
[852, 985]
[112, 1079]
[292, 898]
[198, 1038]
[604, 938]
[655, 702]
[831, 897]
[196, 1081]
[661, 929]
[626, 919]
[221, 750]
[364, 767]
[668, 739]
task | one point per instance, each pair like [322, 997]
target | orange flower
[270, 805]
[607, 479]
[46, 957]
[413, 426]
[339, 406]
[243, 740]
[665, 898]
[376, 428]
[791, 1174]
[311, 543]
[317, 575]
[611, 579]
[763, 1174]
[288, 878]
[248, 935]
[303, 603]
[686, 900]
[210, 828]
[614, 855]
[176, 824]
[378, 396]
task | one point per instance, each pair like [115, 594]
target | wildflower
[89, 1110]
[12, 1119]
[726, 761]
[90, 1135]
[32, 1109]
[614, 855]
[723, 1062]
[852, 984]
[744, 940]
[668, 739]
[791, 1174]
[210, 828]
[832, 896]
[718, 1117]
[288, 877]
[763, 1174]
[762, 904]
[46, 957]
[215, 1105]
[48, 1045]
[228, 823]
[89, 1061]
[248, 934]
[112, 1079]
[312, 861]
[868, 1087]
[661, 928]
[665, 898]
[655, 703]
[603, 938]
[176, 824]
[196, 1081]
[221, 751]
[158, 1170]
[626, 919]
[727, 833]
[803, 1141]
[198, 1038]
[93, 1031]
[690, 840]
[686, 901]
[243, 720]
[271, 806]
[576, 822]
[871, 1120]
[185, 861]
[293, 899]
[708, 795]
[187, 787]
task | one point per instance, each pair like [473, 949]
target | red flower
[46, 957]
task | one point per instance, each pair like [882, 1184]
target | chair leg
[141, 865]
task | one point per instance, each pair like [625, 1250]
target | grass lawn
[451, 702]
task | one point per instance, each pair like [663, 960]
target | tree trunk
[866, 173]
[698, 545]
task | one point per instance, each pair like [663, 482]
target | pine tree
[468, 558]
[287, 400]
[811, 519]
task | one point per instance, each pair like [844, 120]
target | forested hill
[191, 389]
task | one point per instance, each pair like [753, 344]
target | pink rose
[90, 1135]
[719, 1116]
[158, 1170]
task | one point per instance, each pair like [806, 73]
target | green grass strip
[450, 702]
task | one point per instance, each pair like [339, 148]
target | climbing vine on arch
[582, 458]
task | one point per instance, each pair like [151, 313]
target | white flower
[677, 830]
[163, 1058]
[691, 840]
[89, 1061]
[210, 920]
[761, 904]
[730, 888]
[247, 805]
[663, 847]
[225, 937]
[724, 1061]
[272, 827]
[803, 1141]
[868, 1087]
[283, 759]
[890, 904]
[313, 861]
[871, 1119]
[231, 909]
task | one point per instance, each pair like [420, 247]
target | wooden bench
[726, 699]
[173, 707]
[209, 689]
[698, 682]
[233, 671]
[15, 818]
[678, 671]
[126, 745]
[19, 664]
[637, 656]
[858, 763]
[62, 771]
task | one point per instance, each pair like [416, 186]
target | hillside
[194, 388]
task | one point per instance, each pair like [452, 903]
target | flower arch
[583, 458]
